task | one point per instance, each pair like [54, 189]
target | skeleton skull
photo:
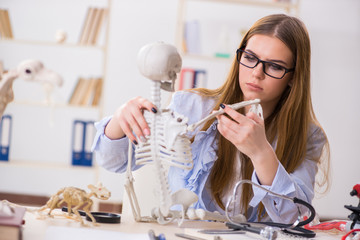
[160, 62]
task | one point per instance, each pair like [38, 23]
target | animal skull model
[168, 144]
[29, 70]
[34, 70]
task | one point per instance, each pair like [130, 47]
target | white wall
[334, 28]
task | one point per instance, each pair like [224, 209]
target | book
[89, 91]
[97, 94]
[2, 25]
[77, 142]
[90, 131]
[96, 26]
[86, 26]
[192, 37]
[199, 78]
[103, 17]
[186, 80]
[11, 226]
[93, 24]
[8, 25]
[5, 26]
[5, 136]
[76, 94]
[191, 78]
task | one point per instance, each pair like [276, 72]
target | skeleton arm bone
[129, 186]
[235, 106]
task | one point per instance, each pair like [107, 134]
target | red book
[186, 80]
[11, 226]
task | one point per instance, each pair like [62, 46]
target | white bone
[235, 106]
[257, 109]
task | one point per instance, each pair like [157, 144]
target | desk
[36, 229]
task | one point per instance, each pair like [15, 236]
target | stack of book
[94, 20]
[191, 39]
[11, 222]
[5, 26]
[87, 92]
[191, 78]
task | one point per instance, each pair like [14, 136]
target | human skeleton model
[29, 70]
[168, 144]
[74, 198]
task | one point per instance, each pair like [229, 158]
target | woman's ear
[290, 83]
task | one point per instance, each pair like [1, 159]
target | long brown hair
[289, 122]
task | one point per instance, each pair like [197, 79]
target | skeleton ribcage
[166, 145]
[172, 151]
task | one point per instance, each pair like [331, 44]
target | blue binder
[5, 137]
[83, 135]
[199, 78]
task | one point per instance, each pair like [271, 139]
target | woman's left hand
[247, 133]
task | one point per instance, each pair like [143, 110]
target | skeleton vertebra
[168, 143]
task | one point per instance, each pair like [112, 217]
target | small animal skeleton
[168, 144]
[74, 198]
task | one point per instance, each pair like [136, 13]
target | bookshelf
[214, 28]
[42, 133]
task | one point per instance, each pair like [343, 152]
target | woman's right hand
[129, 119]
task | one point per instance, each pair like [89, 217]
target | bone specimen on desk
[76, 198]
[168, 143]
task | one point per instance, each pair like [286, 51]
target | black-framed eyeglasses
[271, 69]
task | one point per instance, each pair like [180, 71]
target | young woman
[281, 152]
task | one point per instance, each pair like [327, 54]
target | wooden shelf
[45, 165]
[263, 3]
[206, 57]
[53, 44]
[56, 105]
[93, 58]
[291, 5]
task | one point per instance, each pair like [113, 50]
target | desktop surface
[59, 227]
